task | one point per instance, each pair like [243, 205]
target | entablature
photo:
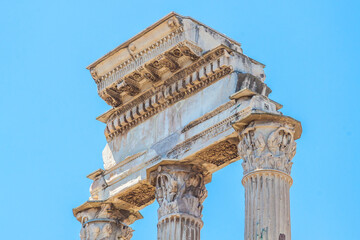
[201, 73]
[192, 79]
[209, 141]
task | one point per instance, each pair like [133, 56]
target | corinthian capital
[267, 145]
[104, 222]
[180, 189]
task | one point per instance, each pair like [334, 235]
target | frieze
[208, 116]
[127, 160]
[218, 128]
[134, 169]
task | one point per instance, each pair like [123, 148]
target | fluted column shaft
[180, 192]
[179, 226]
[267, 205]
[267, 149]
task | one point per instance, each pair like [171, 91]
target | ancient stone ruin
[186, 102]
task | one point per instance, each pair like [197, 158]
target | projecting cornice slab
[168, 22]
[154, 55]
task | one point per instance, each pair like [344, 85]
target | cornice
[148, 58]
[152, 27]
[206, 58]
[136, 60]
[187, 82]
[127, 43]
[148, 71]
[127, 121]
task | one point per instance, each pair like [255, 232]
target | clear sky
[50, 140]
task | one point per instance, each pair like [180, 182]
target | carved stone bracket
[267, 145]
[149, 73]
[151, 70]
[164, 61]
[111, 97]
[129, 85]
[104, 222]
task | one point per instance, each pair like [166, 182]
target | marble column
[180, 192]
[104, 223]
[267, 149]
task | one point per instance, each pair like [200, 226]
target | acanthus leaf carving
[104, 222]
[269, 147]
[179, 189]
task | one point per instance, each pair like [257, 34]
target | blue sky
[50, 140]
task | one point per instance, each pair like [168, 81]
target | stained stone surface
[184, 94]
